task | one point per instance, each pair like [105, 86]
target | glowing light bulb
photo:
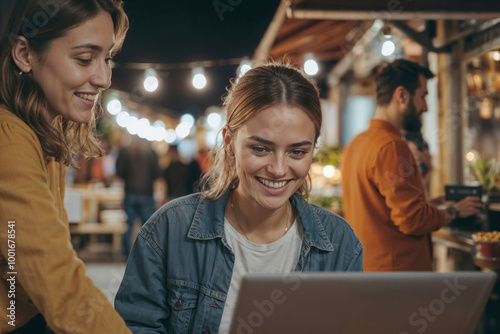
[311, 66]
[114, 107]
[151, 84]
[199, 81]
[329, 171]
[388, 48]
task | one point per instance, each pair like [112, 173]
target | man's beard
[411, 118]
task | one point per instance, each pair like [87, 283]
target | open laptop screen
[385, 303]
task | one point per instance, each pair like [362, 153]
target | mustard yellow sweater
[35, 248]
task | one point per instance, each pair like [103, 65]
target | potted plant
[325, 174]
[486, 172]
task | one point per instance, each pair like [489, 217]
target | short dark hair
[400, 72]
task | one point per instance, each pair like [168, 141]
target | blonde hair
[262, 87]
[21, 95]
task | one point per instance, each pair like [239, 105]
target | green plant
[327, 202]
[486, 172]
[329, 155]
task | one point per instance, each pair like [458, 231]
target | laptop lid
[386, 303]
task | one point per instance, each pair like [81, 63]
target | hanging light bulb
[171, 136]
[114, 107]
[122, 118]
[151, 80]
[329, 171]
[199, 79]
[182, 130]
[496, 55]
[187, 118]
[244, 67]
[311, 66]
[388, 48]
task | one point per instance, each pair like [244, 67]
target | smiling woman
[54, 51]
[74, 70]
[54, 62]
[251, 217]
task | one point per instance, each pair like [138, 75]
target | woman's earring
[21, 72]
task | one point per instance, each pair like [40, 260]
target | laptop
[358, 303]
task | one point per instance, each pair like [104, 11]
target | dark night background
[183, 31]
[175, 32]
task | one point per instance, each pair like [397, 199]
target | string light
[171, 136]
[470, 156]
[151, 80]
[244, 67]
[311, 66]
[199, 79]
[133, 125]
[114, 107]
[122, 119]
[213, 120]
[328, 171]
[388, 48]
[187, 118]
[182, 130]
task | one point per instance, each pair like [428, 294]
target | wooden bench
[116, 229]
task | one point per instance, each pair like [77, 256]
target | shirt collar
[381, 124]
[208, 222]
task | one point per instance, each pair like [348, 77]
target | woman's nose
[277, 166]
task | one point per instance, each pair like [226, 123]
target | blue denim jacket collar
[208, 222]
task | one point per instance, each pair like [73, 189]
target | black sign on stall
[457, 193]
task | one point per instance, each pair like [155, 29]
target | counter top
[454, 238]
[462, 240]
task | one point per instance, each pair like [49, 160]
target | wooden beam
[262, 50]
[321, 14]
[326, 35]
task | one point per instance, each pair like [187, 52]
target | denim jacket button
[206, 332]
[178, 304]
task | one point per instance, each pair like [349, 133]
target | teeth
[274, 185]
[89, 97]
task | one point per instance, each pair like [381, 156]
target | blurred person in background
[52, 74]
[181, 178]
[203, 160]
[137, 165]
[97, 170]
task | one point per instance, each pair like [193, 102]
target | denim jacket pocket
[182, 301]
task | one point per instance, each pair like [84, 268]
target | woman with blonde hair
[187, 263]
[54, 63]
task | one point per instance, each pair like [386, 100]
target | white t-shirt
[280, 256]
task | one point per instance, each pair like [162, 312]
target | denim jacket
[180, 267]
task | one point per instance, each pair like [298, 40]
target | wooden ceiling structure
[327, 28]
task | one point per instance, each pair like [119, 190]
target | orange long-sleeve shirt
[384, 201]
[39, 258]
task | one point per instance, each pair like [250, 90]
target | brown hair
[262, 87]
[40, 22]
[400, 72]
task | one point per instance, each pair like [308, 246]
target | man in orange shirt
[383, 197]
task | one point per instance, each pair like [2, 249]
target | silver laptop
[358, 303]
